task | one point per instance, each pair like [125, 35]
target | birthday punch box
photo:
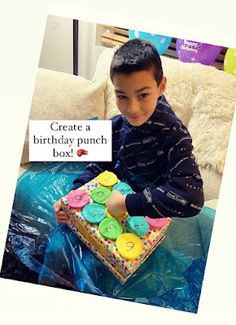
[122, 244]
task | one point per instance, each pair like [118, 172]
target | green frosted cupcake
[100, 194]
[110, 228]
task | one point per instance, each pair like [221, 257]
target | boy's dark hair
[136, 55]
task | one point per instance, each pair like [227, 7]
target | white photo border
[22, 26]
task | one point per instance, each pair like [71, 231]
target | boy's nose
[133, 106]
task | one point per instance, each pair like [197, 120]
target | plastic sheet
[171, 277]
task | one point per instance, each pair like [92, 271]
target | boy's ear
[162, 86]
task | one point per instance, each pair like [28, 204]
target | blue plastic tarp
[171, 277]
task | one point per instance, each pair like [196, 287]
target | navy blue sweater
[156, 160]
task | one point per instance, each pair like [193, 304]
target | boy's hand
[116, 204]
[61, 216]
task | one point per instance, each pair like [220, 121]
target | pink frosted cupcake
[157, 223]
[77, 199]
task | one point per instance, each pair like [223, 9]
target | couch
[202, 96]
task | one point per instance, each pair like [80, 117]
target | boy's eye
[121, 97]
[144, 95]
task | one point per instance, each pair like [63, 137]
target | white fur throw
[202, 96]
[210, 97]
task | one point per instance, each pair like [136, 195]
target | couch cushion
[58, 95]
[62, 96]
[102, 76]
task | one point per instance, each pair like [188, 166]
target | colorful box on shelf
[121, 244]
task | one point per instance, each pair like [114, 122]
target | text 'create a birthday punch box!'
[121, 244]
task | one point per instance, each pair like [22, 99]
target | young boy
[151, 148]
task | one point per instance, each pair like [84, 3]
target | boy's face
[137, 94]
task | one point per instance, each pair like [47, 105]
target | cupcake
[129, 246]
[94, 213]
[157, 223]
[100, 194]
[118, 218]
[137, 225]
[77, 199]
[107, 179]
[110, 228]
[123, 188]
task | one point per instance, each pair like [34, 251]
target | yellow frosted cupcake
[129, 246]
[107, 179]
[119, 219]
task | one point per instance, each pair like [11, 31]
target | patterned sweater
[156, 160]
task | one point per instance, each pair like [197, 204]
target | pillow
[62, 96]
[102, 75]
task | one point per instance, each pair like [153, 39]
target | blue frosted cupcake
[137, 225]
[123, 188]
[94, 213]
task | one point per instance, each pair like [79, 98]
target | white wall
[88, 50]
[57, 48]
